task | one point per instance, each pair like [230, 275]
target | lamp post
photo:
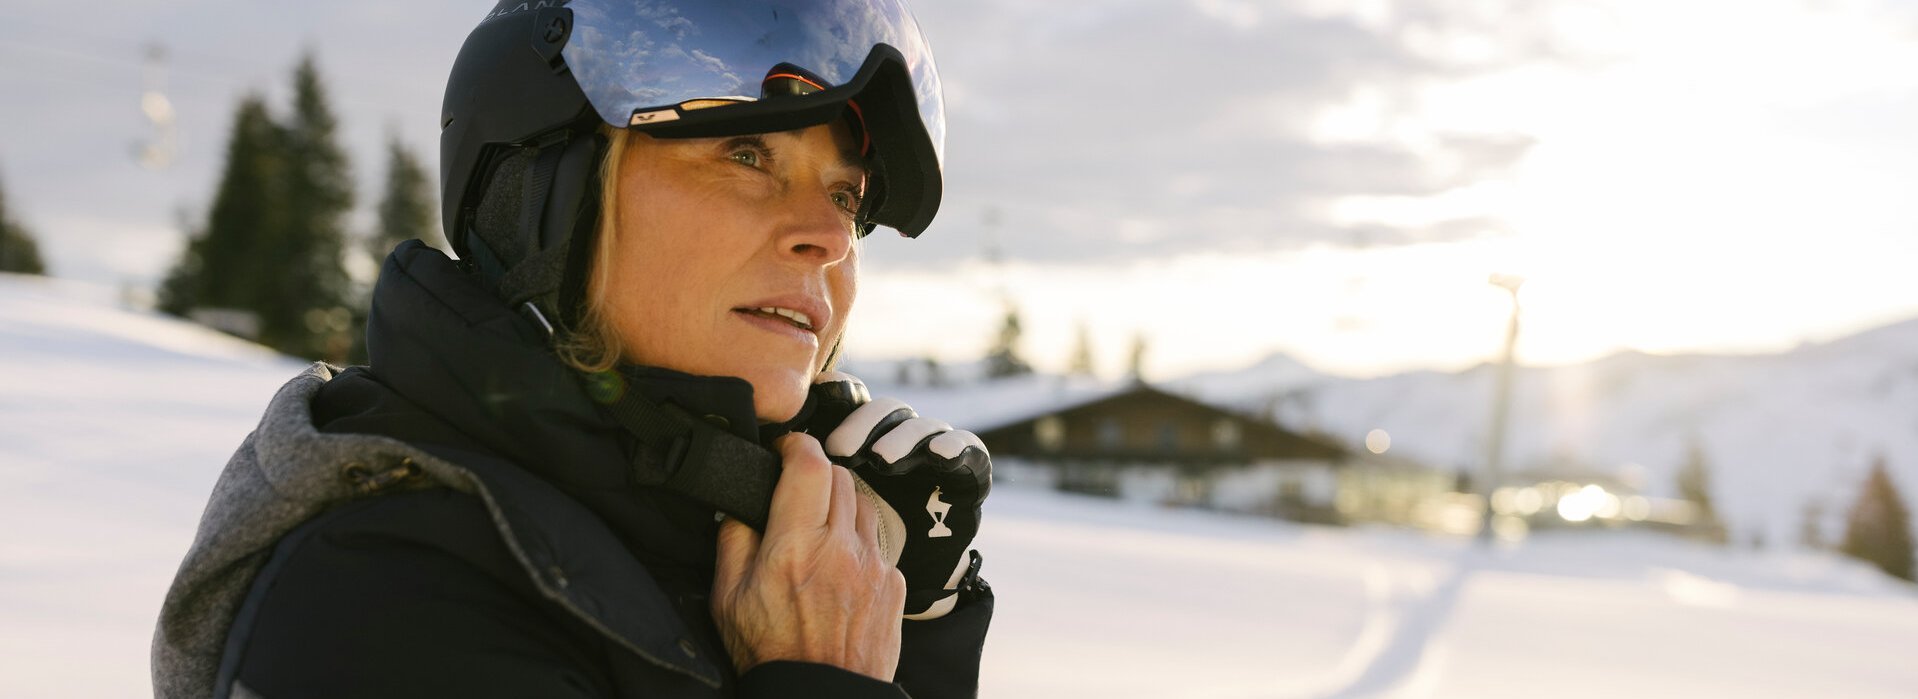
[1501, 404]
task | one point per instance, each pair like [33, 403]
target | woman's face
[736, 257]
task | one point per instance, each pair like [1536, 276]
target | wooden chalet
[1138, 442]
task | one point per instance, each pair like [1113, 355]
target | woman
[519, 495]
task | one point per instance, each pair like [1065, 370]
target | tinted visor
[644, 64]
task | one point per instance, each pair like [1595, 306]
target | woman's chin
[778, 395]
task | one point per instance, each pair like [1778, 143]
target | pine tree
[1878, 529]
[271, 247]
[18, 253]
[1695, 487]
[1135, 360]
[407, 211]
[229, 262]
[1081, 363]
[935, 374]
[309, 313]
[1003, 359]
[1811, 528]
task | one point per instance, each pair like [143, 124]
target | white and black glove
[925, 479]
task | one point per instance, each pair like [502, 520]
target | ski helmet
[536, 80]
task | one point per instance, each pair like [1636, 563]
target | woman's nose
[818, 231]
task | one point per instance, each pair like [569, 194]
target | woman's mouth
[798, 319]
[784, 321]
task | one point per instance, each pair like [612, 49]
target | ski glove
[925, 479]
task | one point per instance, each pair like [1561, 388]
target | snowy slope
[112, 427]
[1779, 431]
[114, 423]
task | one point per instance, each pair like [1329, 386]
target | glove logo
[938, 510]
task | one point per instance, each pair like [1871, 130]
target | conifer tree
[309, 306]
[18, 252]
[1695, 487]
[1694, 479]
[1135, 360]
[1811, 529]
[1878, 529]
[273, 239]
[1003, 359]
[1081, 363]
[226, 264]
[407, 210]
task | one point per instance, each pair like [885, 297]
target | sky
[1228, 179]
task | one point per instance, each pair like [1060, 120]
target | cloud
[1101, 132]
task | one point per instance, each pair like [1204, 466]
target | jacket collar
[438, 337]
[440, 341]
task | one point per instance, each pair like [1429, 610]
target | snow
[114, 423]
[1102, 599]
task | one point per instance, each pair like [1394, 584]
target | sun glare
[1688, 187]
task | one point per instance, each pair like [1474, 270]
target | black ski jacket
[420, 591]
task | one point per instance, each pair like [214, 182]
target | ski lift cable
[130, 63]
[141, 63]
[89, 36]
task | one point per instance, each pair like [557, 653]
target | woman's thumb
[738, 545]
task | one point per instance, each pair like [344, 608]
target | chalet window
[1050, 433]
[1111, 435]
[1226, 434]
[1168, 436]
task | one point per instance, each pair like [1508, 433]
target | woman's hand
[926, 479]
[815, 587]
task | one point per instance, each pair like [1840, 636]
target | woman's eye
[748, 158]
[847, 200]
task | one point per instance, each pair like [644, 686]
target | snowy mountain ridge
[1782, 433]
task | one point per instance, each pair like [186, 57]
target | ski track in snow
[113, 425]
[1405, 660]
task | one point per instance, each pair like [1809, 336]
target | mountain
[1255, 388]
[1781, 432]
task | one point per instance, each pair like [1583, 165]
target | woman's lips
[778, 325]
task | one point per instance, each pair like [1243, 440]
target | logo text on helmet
[503, 10]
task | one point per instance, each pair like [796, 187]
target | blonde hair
[593, 347]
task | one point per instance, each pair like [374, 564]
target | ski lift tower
[994, 255]
[1501, 406]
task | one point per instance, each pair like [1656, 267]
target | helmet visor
[643, 62]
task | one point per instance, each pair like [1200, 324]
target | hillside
[1780, 431]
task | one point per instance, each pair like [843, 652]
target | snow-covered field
[113, 425]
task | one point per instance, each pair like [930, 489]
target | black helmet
[519, 143]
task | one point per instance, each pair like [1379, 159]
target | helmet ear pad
[539, 220]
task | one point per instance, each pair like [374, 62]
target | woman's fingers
[845, 503]
[815, 587]
[804, 496]
[738, 548]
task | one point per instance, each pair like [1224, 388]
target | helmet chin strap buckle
[532, 311]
